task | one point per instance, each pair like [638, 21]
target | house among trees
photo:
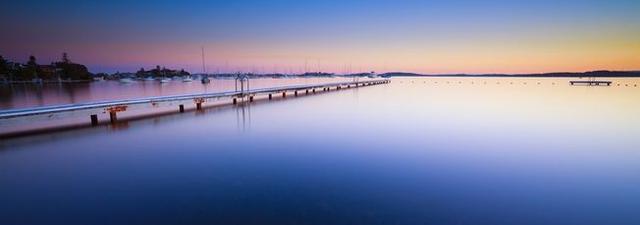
[64, 70]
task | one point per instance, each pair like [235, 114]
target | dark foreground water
[417, 151]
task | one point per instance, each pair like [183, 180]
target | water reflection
[243, 116]
[417, 151]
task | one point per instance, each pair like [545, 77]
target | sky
[340, 36]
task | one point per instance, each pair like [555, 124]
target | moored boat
[126, 80]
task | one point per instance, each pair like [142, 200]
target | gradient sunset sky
[332, 36]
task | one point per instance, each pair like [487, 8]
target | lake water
[416, 151]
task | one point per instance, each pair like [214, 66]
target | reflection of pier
[92, 110]
[243, 117]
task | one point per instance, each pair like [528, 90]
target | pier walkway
[92, 110]
[590, 82]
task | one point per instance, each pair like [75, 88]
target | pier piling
[94, 120]
[181, 108]
[113, 117]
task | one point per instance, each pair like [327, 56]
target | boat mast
[204, 71]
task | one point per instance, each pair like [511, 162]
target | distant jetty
[599, 73]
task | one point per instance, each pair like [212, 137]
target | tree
[32, 61]
[31, 69]
[65, 58]
[156, 71]
[74, 71]
[141, 72]
[4, 66]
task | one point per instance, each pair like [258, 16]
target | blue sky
[418, 36]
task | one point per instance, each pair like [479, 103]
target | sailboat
[164, 79]
[205, 79]
[126, 80]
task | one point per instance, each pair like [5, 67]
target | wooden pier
[112, 108]
[590, 82]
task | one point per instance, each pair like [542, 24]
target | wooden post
[181, 108]
[251, 98]
[113, 117]
[295, 93]
[269, 96]
[94, 120]
[235, 101]
[306, 91]
[314, 90]
[198, 106]
[284, 94]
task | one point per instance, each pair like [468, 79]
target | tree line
[64, 69]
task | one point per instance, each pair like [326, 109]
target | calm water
[416, 151]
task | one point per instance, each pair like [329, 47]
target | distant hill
[600, 73]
